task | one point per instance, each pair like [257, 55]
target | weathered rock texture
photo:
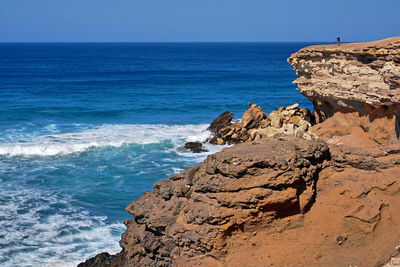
[191, 215]
[255, 124]
[275, 202]
[355, 220]
[355, 88]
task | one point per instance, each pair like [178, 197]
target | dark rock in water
[195, 147]
[220, 122]
[101, 260]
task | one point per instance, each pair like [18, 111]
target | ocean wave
[33, 234]
[102, 136]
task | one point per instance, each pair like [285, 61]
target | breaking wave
[102, 136]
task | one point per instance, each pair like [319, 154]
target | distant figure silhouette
[338, 39]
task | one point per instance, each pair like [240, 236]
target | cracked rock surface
[355, 220]
[191, 215]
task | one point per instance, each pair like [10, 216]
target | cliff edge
[355, 89]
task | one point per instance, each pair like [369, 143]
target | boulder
[253, 116]
[221, 122]
[195, 147]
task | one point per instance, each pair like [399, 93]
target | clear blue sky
[197, 20]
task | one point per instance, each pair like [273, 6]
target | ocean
[85, 128]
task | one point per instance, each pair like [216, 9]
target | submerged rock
[195, 147]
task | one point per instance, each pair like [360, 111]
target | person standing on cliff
[338, 39]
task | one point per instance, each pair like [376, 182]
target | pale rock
[294, 106]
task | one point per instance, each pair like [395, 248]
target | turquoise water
[86, 128]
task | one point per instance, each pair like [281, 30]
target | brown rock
[253, 116]
[231, 191]
[222, 121]
[354, 220]
[356, 85]
[276, 120]
[101, 260]
[291, 107]
[195, 147]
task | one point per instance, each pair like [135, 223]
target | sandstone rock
[232, 190]
[355, 84]
[276, 120]
[220, 141]
[256, 125]
[220, 122]
[356, 207]
[291, 107]
[253, 116]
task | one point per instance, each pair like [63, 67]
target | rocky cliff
[355, 89]
[281, 200]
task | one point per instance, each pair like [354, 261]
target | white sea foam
[28, 237]
[105, 135]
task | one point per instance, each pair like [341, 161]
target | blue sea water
[87, 127]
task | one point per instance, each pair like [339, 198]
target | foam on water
[42, 226]
[105, 135]
[44, 229]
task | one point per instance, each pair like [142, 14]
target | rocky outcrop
[355, 89]
[354, 221]
[272, 202]
[189, 217]
[255, 124]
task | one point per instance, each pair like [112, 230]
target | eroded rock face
[191, 215]
[355, 220]
[359, 83]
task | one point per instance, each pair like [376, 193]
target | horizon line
[32, 42]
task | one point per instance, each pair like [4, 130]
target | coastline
[271, 197]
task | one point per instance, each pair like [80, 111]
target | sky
[197, 21]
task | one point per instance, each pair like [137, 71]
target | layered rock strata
[274, 202]
[255, 124]
[354, 221]
[189, 217]
[355, 89]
